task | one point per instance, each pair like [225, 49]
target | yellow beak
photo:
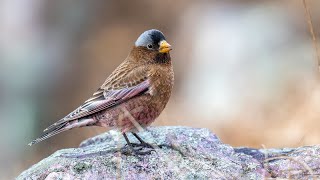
[164, 47]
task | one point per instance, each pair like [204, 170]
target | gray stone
[181, 153]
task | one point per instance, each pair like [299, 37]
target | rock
[289, 163]
[181, 153]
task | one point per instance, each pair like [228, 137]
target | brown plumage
[141, 85]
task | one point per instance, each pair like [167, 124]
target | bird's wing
[113, 92]
[107, 99]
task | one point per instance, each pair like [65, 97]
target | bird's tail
[54, 131]
[64, 126]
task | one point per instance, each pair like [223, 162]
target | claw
[135, 148]
[134, 151]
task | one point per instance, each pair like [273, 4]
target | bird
[132, 96]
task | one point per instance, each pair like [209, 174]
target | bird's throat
[163, 58]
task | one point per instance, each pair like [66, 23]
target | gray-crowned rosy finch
[141, 85]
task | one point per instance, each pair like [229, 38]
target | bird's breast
[161, 85]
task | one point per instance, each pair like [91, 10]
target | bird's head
[153, 40]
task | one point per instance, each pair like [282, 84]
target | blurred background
[246, 70]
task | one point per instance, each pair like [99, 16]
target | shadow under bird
[133, 96]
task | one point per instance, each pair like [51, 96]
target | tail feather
[64, 126]
[53, 126]
[54, 131]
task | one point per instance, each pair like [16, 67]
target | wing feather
[110, 94]
[106, 100]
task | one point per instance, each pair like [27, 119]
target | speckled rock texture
[181, 153]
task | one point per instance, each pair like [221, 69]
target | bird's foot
[142, 145]
[137, 149]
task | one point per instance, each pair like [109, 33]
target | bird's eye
[149, 46]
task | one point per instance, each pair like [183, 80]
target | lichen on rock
[181, 153]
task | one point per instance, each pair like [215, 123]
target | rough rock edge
[185, 153]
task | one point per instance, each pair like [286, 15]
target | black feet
[142, 143]
[127, 150]
[136, 149]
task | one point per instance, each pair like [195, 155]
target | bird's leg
[134, 151]
[131, 145]
[142, 142]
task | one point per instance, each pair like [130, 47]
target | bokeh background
[244, 69]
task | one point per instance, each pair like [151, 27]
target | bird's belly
[132, 115]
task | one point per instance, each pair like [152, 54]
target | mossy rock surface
[181, 153]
